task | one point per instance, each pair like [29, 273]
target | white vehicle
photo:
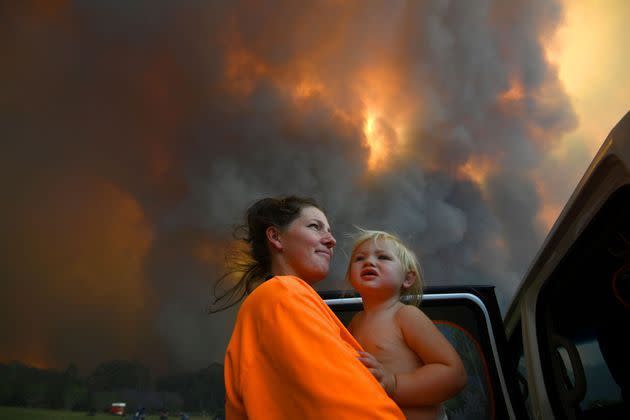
[118, 408]
[563, 349]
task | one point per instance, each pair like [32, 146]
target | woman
[289, 356]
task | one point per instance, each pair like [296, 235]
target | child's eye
[358, 258]
[384, 257]
[314, 226]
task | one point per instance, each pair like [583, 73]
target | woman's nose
[330, 240]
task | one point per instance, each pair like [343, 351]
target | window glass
[478, 388]
[601, 389]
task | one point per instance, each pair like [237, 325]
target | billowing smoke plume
[138, 134]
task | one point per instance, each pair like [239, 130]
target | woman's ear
[273, 236]
[410, 279]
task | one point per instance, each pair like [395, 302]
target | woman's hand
[382, 375]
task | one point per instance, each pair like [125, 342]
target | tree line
[111, 381]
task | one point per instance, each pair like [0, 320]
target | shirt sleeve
[303, 368]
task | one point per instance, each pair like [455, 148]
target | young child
[405, 352]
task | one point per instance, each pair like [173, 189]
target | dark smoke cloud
[140, 105]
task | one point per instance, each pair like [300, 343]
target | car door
[569, 323]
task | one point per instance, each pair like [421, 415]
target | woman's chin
[315, 276]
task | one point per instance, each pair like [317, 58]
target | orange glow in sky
[210, 252]
[88, 260]
[306, 88]
[243, 70]
[514, 93]
[376, 142]
[589, 52]
[477, 169]
[385, 116]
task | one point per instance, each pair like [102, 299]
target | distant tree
[109, 378]
[74, 389]
[102, 400]
[119, 374]
[6, 391]
[71, 374]
[37, 394]
[29, 386]
[6, 385]
[217, 386]
[171, 401]
[202, 390]
[75, 397]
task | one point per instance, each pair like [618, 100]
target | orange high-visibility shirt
[291, 358]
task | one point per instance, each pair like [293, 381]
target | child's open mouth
[368, 273]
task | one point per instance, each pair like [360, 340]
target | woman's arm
[442, 375]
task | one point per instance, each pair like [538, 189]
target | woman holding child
[289, 355]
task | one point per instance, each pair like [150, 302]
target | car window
[479, 386]
[601, 390]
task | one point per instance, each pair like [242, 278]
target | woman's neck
[280, 268]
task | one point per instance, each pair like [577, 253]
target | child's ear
[273, 236]
[410, 279]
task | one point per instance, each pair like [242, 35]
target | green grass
[18, 413]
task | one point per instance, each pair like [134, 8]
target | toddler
[404, 350]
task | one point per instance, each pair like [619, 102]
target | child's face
[375, 267]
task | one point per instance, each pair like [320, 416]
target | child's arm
[441, 377]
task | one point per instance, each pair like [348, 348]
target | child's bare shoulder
[411, 315]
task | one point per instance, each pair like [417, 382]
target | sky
[136, 134]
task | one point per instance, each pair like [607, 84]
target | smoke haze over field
[138, 133]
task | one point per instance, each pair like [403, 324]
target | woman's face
[307, 245]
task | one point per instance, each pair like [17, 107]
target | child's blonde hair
[407, 258]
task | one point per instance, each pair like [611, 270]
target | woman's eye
[314, 226]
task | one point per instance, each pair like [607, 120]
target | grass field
[18, 413]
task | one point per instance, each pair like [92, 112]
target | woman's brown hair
[252, 264]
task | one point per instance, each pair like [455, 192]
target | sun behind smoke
[376, 143]
[383, 141]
